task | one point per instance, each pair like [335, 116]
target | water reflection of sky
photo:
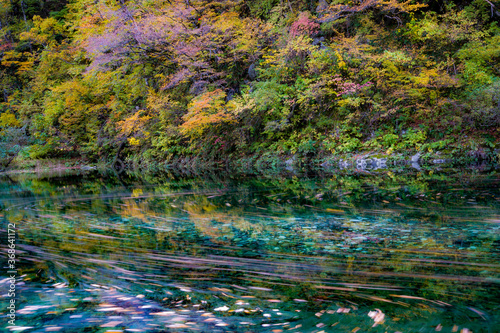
[337, 254]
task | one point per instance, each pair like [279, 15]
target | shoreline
[371, 162]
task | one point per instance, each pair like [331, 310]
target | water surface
[387, 253]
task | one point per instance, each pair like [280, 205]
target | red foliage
[349, 88]
[6, 46]
[304, 26]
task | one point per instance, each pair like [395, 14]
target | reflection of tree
[268, 233]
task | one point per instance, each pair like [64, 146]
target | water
[388, 253]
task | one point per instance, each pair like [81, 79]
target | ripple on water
[255, 256]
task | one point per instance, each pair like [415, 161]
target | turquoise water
[387, 253]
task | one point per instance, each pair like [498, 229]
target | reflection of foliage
[343, 239]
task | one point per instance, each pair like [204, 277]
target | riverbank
[374, 162]
[266, 86]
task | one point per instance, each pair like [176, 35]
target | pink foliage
[5, 46]
[349, 88]
[192, 48]
[304, 26]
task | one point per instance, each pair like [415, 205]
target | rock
[379, 163]
[416, 166]
[415, 158]
[319, 42]
[326, 164]
[230, 95]
[361, 163]
[344, 164]
[289, 164]
[440, 161]
[414, 161]
[252, 73]
[322, 6]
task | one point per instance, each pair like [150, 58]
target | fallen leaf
[112, 324]
[330, 210]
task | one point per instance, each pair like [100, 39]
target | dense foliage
[155, 80]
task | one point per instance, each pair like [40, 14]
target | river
[333, 253]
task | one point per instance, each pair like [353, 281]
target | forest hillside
[155, 80]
